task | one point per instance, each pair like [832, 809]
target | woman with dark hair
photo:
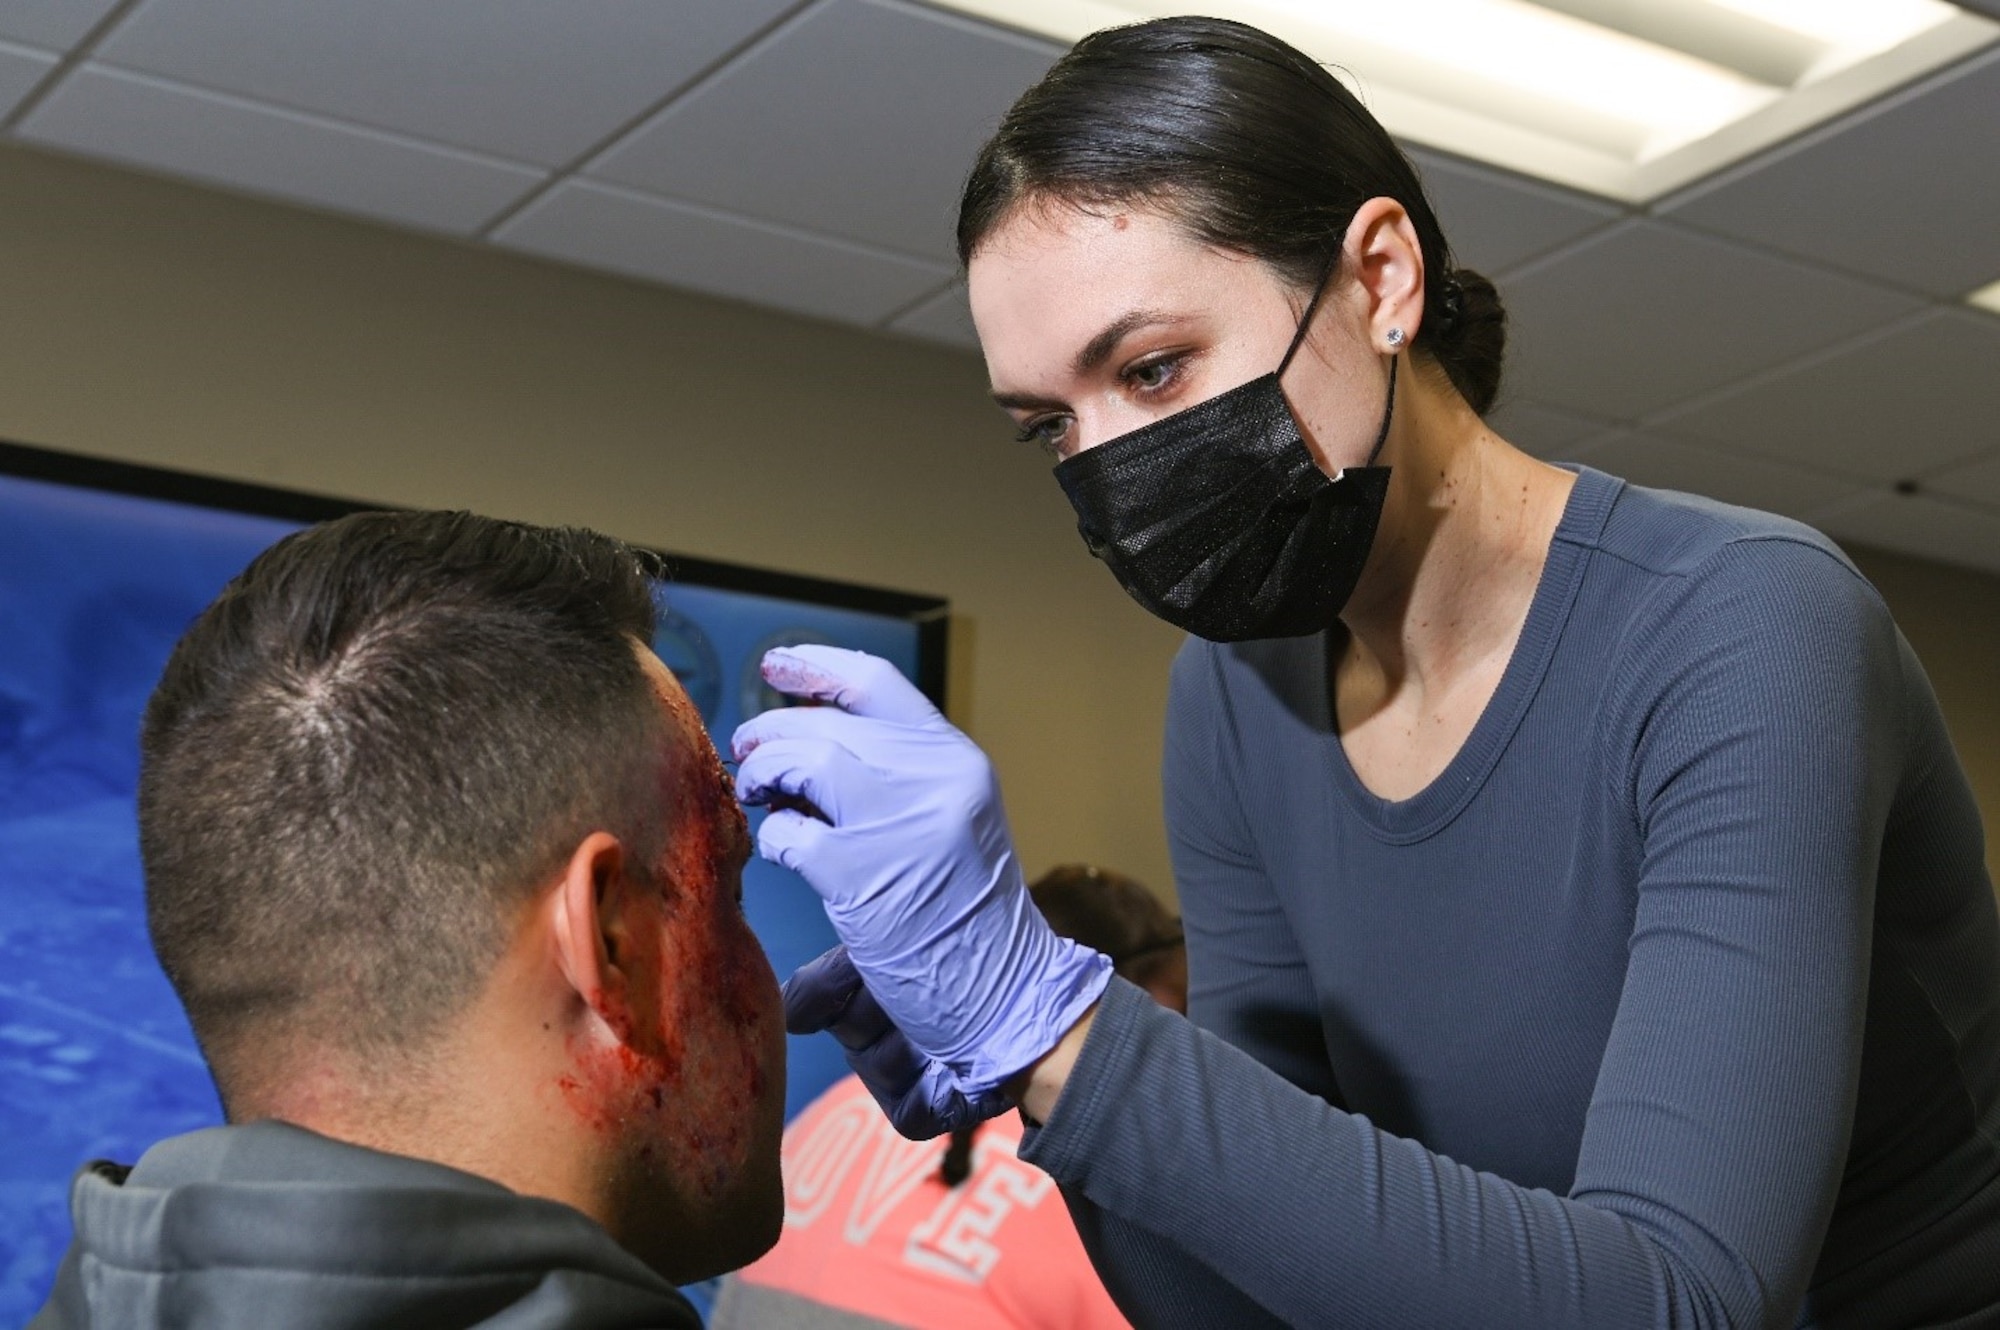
[1586, 911]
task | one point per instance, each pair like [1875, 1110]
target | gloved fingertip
[787, 838]
[815, 1015]
[745, 740]
[819, 992]
[795, 676]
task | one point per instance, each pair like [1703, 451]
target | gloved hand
[912, 857]
[919, 1094]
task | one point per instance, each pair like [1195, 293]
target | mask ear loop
[1299, 339]
[1306, 319]
[1388, 413]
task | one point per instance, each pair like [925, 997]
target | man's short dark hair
[1108, 912]
[364, 756]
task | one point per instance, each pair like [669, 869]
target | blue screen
[96, 1056]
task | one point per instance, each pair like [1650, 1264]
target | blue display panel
[96, 1058]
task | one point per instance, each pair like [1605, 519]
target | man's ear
[588, 923]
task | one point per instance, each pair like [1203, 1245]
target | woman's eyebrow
[1094, 353]
[1099, 348]
[1026, 402]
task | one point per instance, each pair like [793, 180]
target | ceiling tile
[1495, 220]
[304, 159]
[1641, 316]
[945, 317]
[523, 79]
[1545, 431]
[1913, 399]
[1927, 528]
[1978, 482]
[861, 119]
[1907, 189]
[54, 24]
[703, 250]
[20, 71]
[1646, 459]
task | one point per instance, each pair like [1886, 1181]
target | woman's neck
[1465, 532]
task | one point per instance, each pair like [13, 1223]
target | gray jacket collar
[271, 1225]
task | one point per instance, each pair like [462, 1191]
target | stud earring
[1395, 339]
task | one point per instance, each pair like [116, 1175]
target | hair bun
[1468, 335]
[1451, 304]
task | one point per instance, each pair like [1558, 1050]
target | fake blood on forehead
[708, 825]
[710, 834]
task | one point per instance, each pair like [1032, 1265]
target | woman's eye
[1047, 432]
[1153, 375]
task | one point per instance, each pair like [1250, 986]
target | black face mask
[1218, 520]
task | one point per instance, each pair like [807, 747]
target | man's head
[1118, 916]
[438, 854]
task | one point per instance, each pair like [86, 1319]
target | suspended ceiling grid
[1792, 333]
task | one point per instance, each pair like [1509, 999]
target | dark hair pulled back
[1245, 141]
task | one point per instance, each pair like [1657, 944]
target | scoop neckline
[1431, 809]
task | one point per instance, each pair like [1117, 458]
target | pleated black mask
[1218, 520]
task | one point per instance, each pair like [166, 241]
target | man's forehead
[689, 736]
[692, 753]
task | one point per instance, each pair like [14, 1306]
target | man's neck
[450, 1104]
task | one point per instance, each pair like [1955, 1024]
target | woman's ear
[1387, 260]
[589, 920]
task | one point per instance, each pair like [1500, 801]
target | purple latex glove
[911, 855]
[920, 1095]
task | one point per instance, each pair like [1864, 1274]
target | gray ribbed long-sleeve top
[1673, 1001]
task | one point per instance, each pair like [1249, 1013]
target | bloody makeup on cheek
[687, 1066]
[642, 1064]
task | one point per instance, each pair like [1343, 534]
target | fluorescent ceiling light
[1987, 297]
[1625, 98]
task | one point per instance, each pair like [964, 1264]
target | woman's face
[1096, 323]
